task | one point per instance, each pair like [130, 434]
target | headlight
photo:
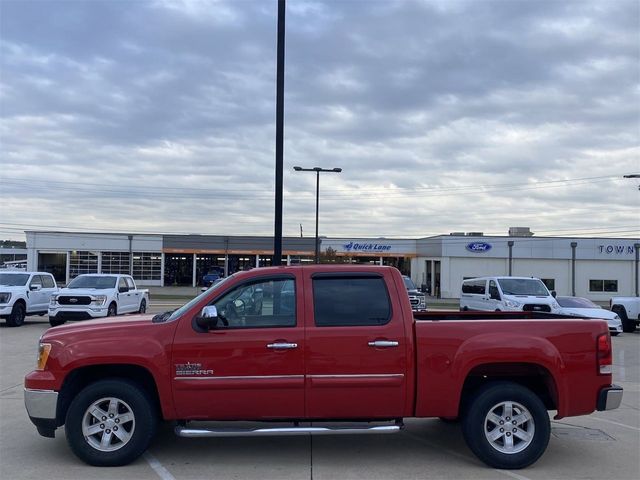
[5, 297]
[43, 355]
[99, 300]
[512, 304]
[53, 299]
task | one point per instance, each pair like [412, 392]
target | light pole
[317, 170]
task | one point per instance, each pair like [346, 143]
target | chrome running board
[183, 431]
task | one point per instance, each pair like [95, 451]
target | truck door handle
[383, 343]
[282, 346]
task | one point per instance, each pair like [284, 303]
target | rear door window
[355, 301]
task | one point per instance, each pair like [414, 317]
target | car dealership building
[597, 268]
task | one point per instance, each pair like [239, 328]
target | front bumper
[84, 313]
[5, 310]
[609, 398]
[42, 406]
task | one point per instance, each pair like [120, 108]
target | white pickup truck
[628, 309]
[97, 295]
[24, 293]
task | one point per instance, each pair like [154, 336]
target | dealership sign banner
[478, 247]
[366, 247]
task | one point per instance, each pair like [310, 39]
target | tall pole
[573, 268]
[277, 238]
[317, 170]
[317, 213]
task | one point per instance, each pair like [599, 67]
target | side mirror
[208, 318]
[553, 293]
[35, 287]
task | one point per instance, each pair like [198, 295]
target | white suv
[24, 293]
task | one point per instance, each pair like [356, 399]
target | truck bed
[475, 315]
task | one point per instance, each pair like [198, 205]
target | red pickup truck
[304, 345]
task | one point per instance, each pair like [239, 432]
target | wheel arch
[533, 376]
[81, 377]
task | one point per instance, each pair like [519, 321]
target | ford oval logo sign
[478, 247]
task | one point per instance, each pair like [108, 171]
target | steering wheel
[239, 306]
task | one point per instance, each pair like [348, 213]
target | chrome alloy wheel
[108, 424]
[509, 427]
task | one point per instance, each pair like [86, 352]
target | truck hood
[589, 312]
[7, 289]
[102, 325]
[84, 291]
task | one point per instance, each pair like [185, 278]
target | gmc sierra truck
[314, 344]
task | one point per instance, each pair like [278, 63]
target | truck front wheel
[16, 317]
[112, 311]
[110, 423]
[628, 325]
[506, 426]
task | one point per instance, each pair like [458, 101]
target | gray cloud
[160, 116]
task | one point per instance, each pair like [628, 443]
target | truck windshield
[523, 286]
[576, 302]
[14, 279]
[96, 282]
[191, 303]
[408, 283]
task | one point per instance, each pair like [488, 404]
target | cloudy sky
[159, 116]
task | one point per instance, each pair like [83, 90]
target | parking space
[602, 445]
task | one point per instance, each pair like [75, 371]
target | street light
[317, 170]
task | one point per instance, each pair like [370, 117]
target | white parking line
[615, 423]
[162, 472]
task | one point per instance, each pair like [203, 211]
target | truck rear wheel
[110, 423]
[506, 426]
[16, 317]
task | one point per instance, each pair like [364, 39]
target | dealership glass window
[82, 262]
[115, 262]
[550, 283]
[147, 266]
[344, 301]
[603, 285]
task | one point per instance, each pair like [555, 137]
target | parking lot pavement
[603, 445]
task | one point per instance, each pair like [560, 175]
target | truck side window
[350, 302]
[262, 303]
[130, 283]
[47, 281]
[122, 285]
[36, 280]
[494, 293]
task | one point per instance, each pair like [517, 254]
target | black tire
[477, 427]
[130, 399]
[54, 322]
[16, 317]
[628, 326]
[143, 306]
[113, 310]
